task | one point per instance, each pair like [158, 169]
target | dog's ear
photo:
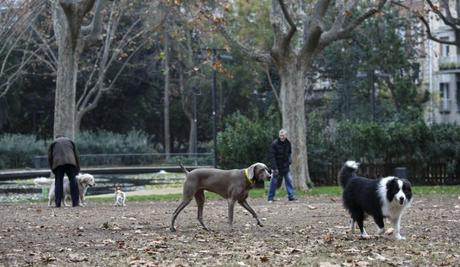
[252, 169]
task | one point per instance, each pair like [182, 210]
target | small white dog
[120, 197]
[84, 180]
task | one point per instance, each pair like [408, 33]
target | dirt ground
[308, 232]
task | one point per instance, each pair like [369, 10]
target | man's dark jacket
[280, 155]
[61, 152]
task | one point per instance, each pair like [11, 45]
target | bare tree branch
[275, 92]
[250, 52]
[330, 36]
[425, 22]
[288, 37]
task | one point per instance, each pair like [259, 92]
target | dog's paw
[381, 231]
[399, 237]
[365, 236]
[172, 229]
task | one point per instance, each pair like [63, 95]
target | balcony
[445, 106]
[451, 63]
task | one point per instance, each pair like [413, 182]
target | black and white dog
[382, 198]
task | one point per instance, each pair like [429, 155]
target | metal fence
[135, 159]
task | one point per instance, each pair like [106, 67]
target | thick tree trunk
[292, 96]
[66, 79]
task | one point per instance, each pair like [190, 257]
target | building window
[445, 98]
[457, 96]
[444, 47]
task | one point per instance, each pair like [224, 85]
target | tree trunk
[167, 138]
[67, 20]
[292, 96]
[66, 79]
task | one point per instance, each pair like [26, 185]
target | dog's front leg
[82, 201]
[245, 205]
[231, 206]
[397, 228]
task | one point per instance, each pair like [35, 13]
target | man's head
[282, 135]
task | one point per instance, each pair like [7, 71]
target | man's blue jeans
[287, 181]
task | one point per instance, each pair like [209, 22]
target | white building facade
[441, 75]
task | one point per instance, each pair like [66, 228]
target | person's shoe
[293, 199]
[270, 201]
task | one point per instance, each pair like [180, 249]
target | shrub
[104, 142]
[17, 150]
[245, 141]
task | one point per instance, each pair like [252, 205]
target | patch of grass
[436, 189]
[335, 191]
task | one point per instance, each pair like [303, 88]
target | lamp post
[215, 55]
[371, 76]
[213, 96]
[195, 91]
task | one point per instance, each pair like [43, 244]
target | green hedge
[244, 141]
[103, 142]
[18, 150]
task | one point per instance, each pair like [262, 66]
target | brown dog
[233, 185]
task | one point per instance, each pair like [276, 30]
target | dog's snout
[401, 200]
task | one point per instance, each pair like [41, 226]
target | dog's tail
[183, 168]
[348, 171]
[42, 181]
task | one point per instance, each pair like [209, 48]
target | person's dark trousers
[71, 172]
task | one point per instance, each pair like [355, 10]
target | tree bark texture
[64, 104]
[292, 96]
[67, 22]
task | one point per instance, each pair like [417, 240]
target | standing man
[63, 159]
[280, 159]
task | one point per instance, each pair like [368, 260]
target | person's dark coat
[62, 152]
[280, 155]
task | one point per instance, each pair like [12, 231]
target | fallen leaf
[328, 264]
[389, 231]
[328, 238]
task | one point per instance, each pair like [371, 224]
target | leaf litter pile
[313, 231]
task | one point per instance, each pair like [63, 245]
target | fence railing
[417, 173]
[135, 159]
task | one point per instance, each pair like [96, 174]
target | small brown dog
[233, 185]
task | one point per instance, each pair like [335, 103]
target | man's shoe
[270, 201]
[293, 199]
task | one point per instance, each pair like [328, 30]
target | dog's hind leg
[64, 200]
[245, 205]
[199, 197]
[358, 216]
[379, 221]
[181, 206]
[352, 225]
[186, 198]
